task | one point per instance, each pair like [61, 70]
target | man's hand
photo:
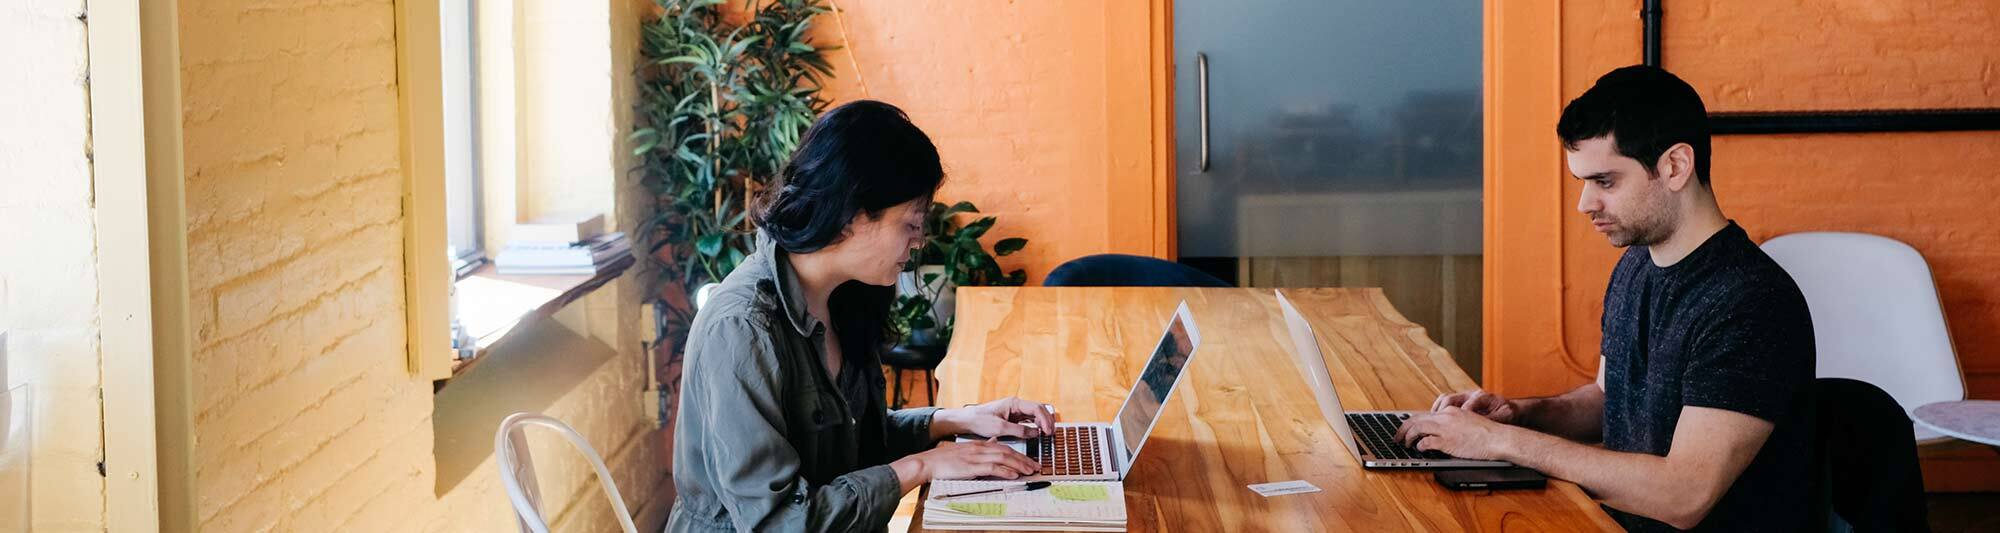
[1479, 402]
[1008, 417]
[1458, 432]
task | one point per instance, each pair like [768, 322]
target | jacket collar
[791, 296]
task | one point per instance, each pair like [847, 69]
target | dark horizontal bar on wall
[1870, 121]
[1855, 121]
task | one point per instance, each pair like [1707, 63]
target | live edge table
[1242, 415]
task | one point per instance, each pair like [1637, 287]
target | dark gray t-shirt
[1724, 328]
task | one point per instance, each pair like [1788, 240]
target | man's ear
[1676, 166]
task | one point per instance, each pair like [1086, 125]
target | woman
[782, 421]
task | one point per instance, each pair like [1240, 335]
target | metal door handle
[1201, 67]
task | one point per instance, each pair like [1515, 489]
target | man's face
[1624, 202]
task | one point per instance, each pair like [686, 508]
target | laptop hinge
[1117, 455]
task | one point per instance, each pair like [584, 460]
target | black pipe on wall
[1651, 14]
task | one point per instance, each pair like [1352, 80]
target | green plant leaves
[1008, 246]
[709, 245]
[966, 264]
[738, 48]
[722, 104]
[643, 140]
[976, 228]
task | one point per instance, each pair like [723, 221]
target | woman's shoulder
[737, 319]
[747, 294]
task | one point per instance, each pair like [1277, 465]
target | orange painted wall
[1931, 190]
[1050, 115]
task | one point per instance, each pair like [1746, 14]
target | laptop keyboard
[1377, 431]
[1071, 451]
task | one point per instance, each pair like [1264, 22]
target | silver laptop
[1369, 435]
[1106, 451]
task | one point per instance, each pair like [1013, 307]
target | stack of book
[562, 245]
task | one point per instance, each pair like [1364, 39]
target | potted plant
[950, 257]
[725, 93]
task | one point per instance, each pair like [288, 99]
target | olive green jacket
[765, 441]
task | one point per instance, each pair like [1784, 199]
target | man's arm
[1711, 448]
[1576, 415]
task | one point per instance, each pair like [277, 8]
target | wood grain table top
[1243, 414]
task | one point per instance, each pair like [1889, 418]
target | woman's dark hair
[863, 157]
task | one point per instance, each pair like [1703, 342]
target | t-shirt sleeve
[1754, 358]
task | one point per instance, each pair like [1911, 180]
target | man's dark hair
[1646, 110]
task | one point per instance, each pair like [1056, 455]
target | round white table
[1973, 420]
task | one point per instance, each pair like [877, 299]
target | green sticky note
[981, 509]
[1079, 493]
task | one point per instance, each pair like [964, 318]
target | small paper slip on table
[1064, 506]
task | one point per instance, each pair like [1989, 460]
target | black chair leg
[930, 388]
[898, 403]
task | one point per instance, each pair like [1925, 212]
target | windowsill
[544, 366]
[493, 306]
[465, 266]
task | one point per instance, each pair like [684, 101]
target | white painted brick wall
[48, 260]
[306, 418]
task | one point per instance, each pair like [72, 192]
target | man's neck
[1694, 230]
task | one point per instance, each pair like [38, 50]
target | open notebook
[1066, 506]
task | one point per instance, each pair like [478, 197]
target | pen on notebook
[1032, 485]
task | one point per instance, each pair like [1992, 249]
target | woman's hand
[963, 460]
[1009, 417]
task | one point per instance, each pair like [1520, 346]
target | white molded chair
[509, 447]
[1876, 315]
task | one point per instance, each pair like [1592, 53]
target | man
[1701, 399]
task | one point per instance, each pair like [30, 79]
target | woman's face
[877, 248]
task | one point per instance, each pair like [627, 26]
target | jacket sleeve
[909, 431]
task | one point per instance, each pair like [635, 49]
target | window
[463, 211]
[463, 240]
[464, 151]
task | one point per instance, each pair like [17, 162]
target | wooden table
[1242, 415]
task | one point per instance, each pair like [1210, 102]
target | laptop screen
[1156, 381]
[1312, 366]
